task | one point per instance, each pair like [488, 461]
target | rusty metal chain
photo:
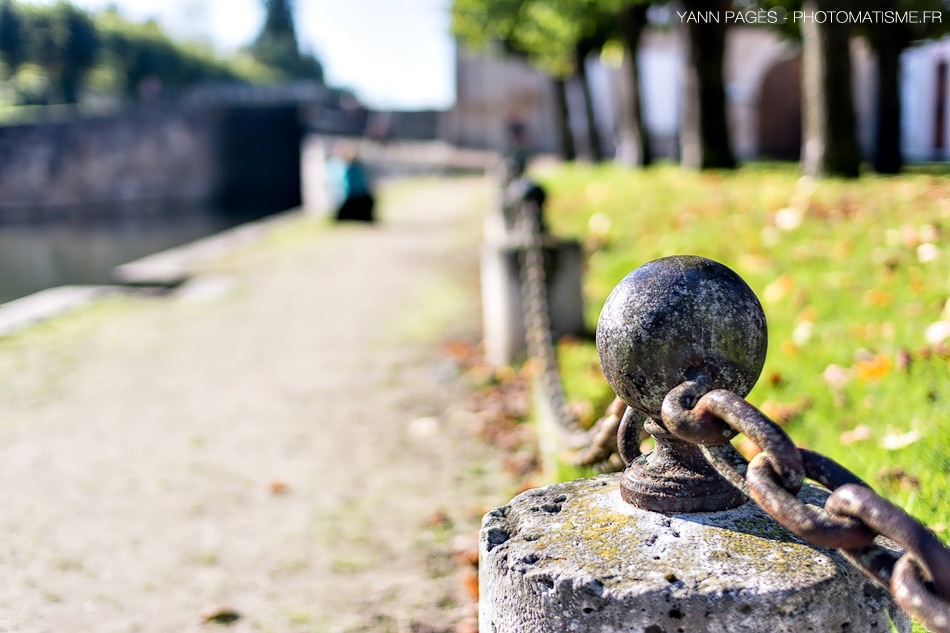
[854, 515]
[596, 447]
[537, 319]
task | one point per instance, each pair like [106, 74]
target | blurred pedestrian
[350, 185]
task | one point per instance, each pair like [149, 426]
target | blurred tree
[888, 42]
[555, 35]
[704, 133]
[559, 35]
[53, 52]
[64, 42]
[827, 82]
[80, 47]
[631, 24]
[829, 125]
[829, 137]
[12, 44]
[482, 24]
[144, 61]
[277, 46]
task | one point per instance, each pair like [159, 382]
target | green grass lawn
[854, 278]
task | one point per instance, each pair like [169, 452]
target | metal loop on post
[628, 435]
[704, 425]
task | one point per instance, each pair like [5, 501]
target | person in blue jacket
[350, 185]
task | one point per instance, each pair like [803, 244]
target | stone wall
[231, 156]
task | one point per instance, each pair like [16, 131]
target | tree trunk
[565, 135]
[704, 136]
[635, 138]
[830, 144]
[593, 135]
[888, 42]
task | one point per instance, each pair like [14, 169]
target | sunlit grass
[853, 276]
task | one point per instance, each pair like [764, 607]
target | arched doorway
[780, 111]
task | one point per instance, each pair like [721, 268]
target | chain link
[853, 517]
[537, 319]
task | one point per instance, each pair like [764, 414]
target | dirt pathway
[271, 440]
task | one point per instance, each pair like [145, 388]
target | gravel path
[271, 440]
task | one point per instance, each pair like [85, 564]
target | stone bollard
[502, 316]
[668, 546]
[501, 257]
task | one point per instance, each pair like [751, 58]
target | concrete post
[503, 320]
[575, 557]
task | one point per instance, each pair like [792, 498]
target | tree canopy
[277, 47]
[53, 53]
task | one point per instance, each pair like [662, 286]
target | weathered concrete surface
[575, 557]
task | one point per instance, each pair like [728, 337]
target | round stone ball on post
[671, 320]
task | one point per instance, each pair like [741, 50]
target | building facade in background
[763, 90]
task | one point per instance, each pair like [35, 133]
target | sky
[394, 54]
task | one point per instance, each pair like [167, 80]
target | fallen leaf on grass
[836, 376]
[278, 487]
[470, 582]
[460, 350]
[438, 518]
[802, 333]
[782, 412]
[894, 440]
[857, 434]
[927, 252]
[789, 218]
[897, 478]
[873, 369]
[876, 298]
[902, 359]
[937, 332]
[219, 615]
[778, 289]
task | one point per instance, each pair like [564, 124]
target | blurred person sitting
[349, 185]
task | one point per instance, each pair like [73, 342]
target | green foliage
[551, 33]
[12, 46]
[52, 54]
[60, 39]
[853, 278]
[140, 53]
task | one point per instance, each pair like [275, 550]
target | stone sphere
[675, 319]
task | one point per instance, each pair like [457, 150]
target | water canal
[35, 255]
